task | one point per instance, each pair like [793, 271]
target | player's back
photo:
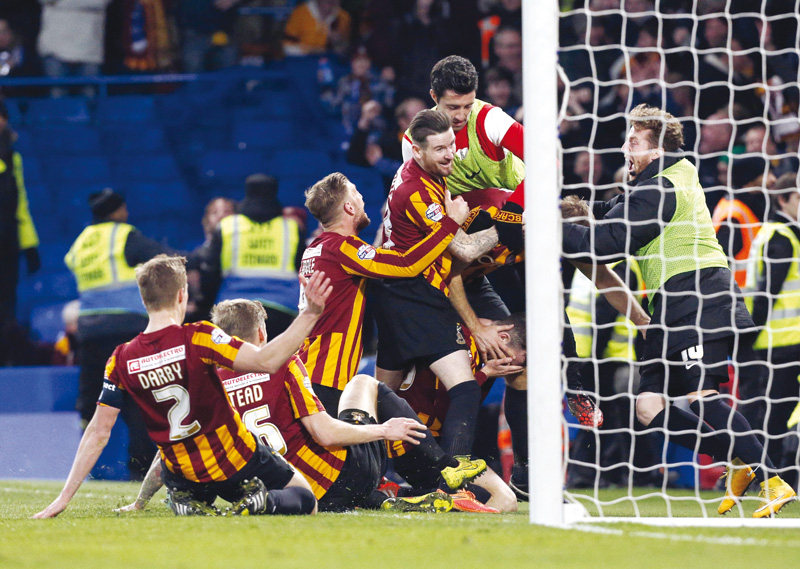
[171, 375]
[271, 406]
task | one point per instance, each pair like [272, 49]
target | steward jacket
[773, 278]
[737, 219]
[645, 222]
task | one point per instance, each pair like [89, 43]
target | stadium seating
[126, 109]
[64, 110]
[46, 322]
[66, 140]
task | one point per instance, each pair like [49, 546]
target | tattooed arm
[469, 247]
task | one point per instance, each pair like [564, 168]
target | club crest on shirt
[459, 335]
[434, 212]
[366, 251]
[220, 337]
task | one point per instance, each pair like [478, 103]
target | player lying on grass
[343, 459]
[170, 371]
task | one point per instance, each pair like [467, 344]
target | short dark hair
[323, 197]
[426, 123]
[239, 317]
[518, 333]
[454, 73]
[783, 188]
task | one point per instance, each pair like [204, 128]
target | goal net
[728, 71]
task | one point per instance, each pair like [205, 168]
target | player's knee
[647, 407]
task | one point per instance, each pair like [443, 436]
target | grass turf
[89, 535]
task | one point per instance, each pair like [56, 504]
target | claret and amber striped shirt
[332, 352]
[171, 374]
[272, 406]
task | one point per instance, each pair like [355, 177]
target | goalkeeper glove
[508, 222]
[584, 409]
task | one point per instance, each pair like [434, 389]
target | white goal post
[552, 503]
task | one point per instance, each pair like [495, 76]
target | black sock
[293, 500]
[391, 405]
[458, 431]
[702, 438]
[746, 445]
[516, 410]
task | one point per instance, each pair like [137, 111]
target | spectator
[146, 36]
[66, 346]
[716, 137]
[375, 144]
[360, 86]
[17, 232]
[206, 27]
[757, 140]
[71, 39]
[199, 307]
[255, 254]
[499, 84]
[738, 217]
[421, 38]
[504, 13]
[507, 47]
[102, 259]
[317, 26]
[14, 60]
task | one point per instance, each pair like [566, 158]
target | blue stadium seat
[46, 322]
[24, 143]
[61, 110]
[163, 198]
[145, 168]
[67, 140]
[32, 170]
[126, 109]
[136, 139]
[280, 104]
[301, 163]
[15, 117]
[78, 169]
[367, 180]
[230, 167]
[52, 254]
[54, 286]
[41, 202]
[265, 135]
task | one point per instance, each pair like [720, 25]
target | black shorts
[266, 464]
[362, 471]
[415, 322]
[329, 396]
[695, 368]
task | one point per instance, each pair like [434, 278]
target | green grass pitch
[89, 535]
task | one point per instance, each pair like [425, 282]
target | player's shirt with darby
[415, 208]
[271, 406]
[171, 374]
[333, 350]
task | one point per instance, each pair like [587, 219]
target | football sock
[746, 445]
[458, 428]
[516, 410]
[293, 500]
[391, 405]
[712, 443]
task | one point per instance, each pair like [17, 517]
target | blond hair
[665, 130]
[240, 317]
[160, 279]
[323, 197]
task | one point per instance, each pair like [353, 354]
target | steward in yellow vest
[103, 259]
[773, 298]
[255, 254]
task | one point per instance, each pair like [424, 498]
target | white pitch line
[723, 540]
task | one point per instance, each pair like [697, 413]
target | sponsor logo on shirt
[366, 251]
[146, 363]
[220, 337]
[434, 212]
[246, 380]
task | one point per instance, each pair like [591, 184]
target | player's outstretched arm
[92, 443]
[276, 352]
[150, 485]
[328, 431]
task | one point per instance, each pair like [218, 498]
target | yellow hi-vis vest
[783, 322]
[258, 260]
[27, 231]
[106, 282]
[581, 316]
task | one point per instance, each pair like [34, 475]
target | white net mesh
[729, 72]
